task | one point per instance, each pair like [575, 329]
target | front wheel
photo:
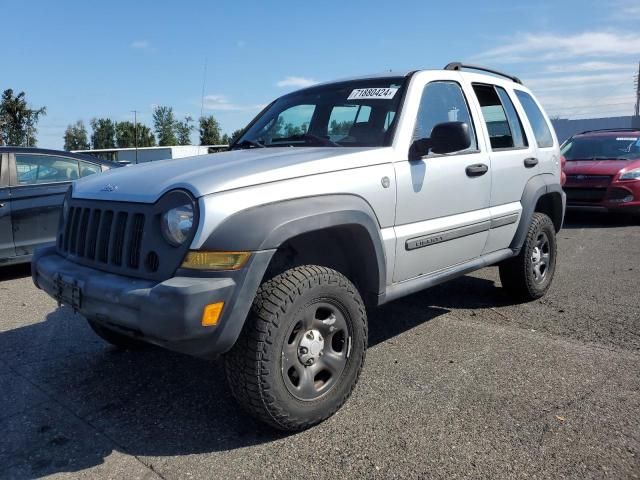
[301, 350]
[528, 275]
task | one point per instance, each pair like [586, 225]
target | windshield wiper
[248, 144]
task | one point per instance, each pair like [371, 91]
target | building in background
[565, 127]
[150, 154]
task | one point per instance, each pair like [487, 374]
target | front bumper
[622, 197]
[168, 313]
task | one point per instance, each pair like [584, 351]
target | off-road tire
[115, 338]
[254, 366]
[517, 274]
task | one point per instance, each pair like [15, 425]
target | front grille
[103, 235]
[590, 178]
[123, 237]
[589, 195]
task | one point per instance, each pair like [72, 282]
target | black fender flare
[535, 188]
[266, 227]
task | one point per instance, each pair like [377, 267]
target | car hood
[207, 174]
[598, 167]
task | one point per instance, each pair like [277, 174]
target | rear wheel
[115, 338]
[301, 350]
[529, 275]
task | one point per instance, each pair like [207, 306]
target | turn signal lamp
[202, 260]
[211, 314]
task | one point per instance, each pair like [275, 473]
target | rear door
[513, 160]
[6, 231]
[37, 192]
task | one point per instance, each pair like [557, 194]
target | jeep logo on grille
[109, 188]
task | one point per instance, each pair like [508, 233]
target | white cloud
[300, 82]
[548, 47]
[625, 10]
[588, 67]
[222, 104]
[140, 44]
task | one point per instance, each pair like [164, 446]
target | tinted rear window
[539, 124]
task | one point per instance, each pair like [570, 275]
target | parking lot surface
[459, 382]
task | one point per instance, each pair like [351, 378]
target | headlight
[177, 224]
[631, 174]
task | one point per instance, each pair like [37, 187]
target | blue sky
[92, 59]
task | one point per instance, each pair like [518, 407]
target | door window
[35, 169]
[536, 119]
[443, 102]
[87, 168]
[500, 116]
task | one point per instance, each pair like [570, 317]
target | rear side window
[500, 116]
[515, 125]
[536, 119]
[35, 169]
[442, 102]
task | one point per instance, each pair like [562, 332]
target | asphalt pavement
[459, 382]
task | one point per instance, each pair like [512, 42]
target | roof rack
[621, 129]
[460, 66]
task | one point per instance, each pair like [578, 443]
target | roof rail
[460, 66]
[621, 129]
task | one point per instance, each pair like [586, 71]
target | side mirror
[446, 137]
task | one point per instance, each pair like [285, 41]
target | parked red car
[603, 170]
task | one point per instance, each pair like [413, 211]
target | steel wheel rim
[541, 258]
[322, 329]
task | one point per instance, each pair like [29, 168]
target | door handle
[530, 162]
[476, 170]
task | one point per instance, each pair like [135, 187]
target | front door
[442, 214]
[6, 231]
[37, 196]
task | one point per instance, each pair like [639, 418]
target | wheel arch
[336, 231]
[543, 194]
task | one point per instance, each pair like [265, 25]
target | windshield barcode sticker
[372, 93]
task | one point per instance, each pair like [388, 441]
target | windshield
[348, 114]
[609, 147]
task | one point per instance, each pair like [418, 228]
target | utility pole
[135, 131]
[637, 113]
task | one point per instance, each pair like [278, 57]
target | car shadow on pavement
[72, 399]
[12, 272]
[578, 219]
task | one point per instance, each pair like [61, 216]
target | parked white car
[336, 199]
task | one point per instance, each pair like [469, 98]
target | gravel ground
[459, 382]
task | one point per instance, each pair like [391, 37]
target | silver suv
[336, 199]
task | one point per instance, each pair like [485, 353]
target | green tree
[236, 134]
[164, 124]
[183, 131]
[126, 134]
[210, 131]
[75, 137]
[104, 132]
[225, 140]
[18, 121]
